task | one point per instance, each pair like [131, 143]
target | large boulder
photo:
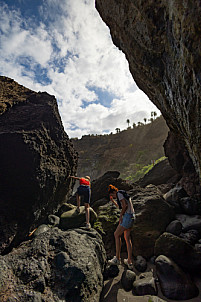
[106, 224]
[161, 42]
[72, 219]
[178, 156]
[36, 156]
[153, 215]
[175, 283]
[99, 187]
[55, 266]
[181, 252]
[188, 222]
[161, 173]
[145, 286]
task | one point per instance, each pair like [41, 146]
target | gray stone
[65, 207]
[111, 271]
[53, 220]
[198, 247]
[175, 194]
[153, 214]
[175, 227]
[175, 284]
[140, 264]
[184, 254]
[41, 229]
[190, 222]
[55, 266]
[127, 279]
[73, 219]
[191, 236]
[190, 206]
[145, 286]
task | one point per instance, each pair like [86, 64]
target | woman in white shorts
[126, 220]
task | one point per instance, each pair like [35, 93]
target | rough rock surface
[99, 187]
[153, 215]
[180, 160]
[36, 156]
[145, 286]
[71, 219]
[161, 173]
[184, 254]
[175, 284]
[55, 266]
[161, 41]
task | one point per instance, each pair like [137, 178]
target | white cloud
[72, 47]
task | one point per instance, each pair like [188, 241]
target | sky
[64, 48]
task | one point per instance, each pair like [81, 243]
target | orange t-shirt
[84, 182]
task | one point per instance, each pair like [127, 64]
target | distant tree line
[139, 124]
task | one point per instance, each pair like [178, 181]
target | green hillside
[127, 151]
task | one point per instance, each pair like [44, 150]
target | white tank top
[130, 208]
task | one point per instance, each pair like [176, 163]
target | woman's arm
[114, 202]
[74, 177]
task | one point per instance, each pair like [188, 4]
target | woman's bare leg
[78, 200]
[117, 235]
[128, 244]
[87, 212]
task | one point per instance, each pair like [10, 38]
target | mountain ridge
[126, 151]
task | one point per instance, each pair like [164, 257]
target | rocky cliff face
[36, 156]
[161, 42]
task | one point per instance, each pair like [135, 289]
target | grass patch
[142, 171]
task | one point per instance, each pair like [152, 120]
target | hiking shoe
[78, 210]
[114, 261]
[88, 226]
[130, 265]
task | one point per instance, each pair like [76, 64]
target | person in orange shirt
[84, 191]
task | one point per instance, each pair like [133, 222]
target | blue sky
[63, 47]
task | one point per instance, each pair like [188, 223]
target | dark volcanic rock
[184, 254]
[153, 215]
[180, 160]
[127, 279]
[175, 284]
[161, 173]
[36, 157]
[190, 222]
[175, 227]
[140, 264]
[99, 187]
[145, 286]
[55, 266]
[161, 41]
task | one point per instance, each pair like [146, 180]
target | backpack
[125, 195]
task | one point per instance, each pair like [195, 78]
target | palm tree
[128, 121]
[134, 125]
